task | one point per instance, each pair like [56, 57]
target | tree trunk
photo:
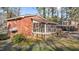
[44, 14]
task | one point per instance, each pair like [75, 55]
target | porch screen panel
[50, 28]
[35, 27]
[41, 27]
[38, 27]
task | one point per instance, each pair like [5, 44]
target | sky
[28, 10]
[33, 10]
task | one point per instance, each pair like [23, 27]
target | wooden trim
[43, 32]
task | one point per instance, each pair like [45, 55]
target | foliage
[3, 36]
[53, 19]
[48, 12]
[70, 13]
[18, 38]
[11, 11]
[66, 13]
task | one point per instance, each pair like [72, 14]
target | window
[42, 27]
[35, 27]
[13, 30]
[38, 27]
[50, 28]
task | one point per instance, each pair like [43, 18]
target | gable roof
[33, 17]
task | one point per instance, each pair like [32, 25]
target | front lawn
[50, 44]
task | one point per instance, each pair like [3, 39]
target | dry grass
[52, 43]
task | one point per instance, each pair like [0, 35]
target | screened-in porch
[43, 28]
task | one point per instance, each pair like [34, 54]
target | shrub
[18, 38]
[3, 36]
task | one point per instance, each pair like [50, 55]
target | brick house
[30, 24]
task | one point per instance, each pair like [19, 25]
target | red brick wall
[24, 26]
